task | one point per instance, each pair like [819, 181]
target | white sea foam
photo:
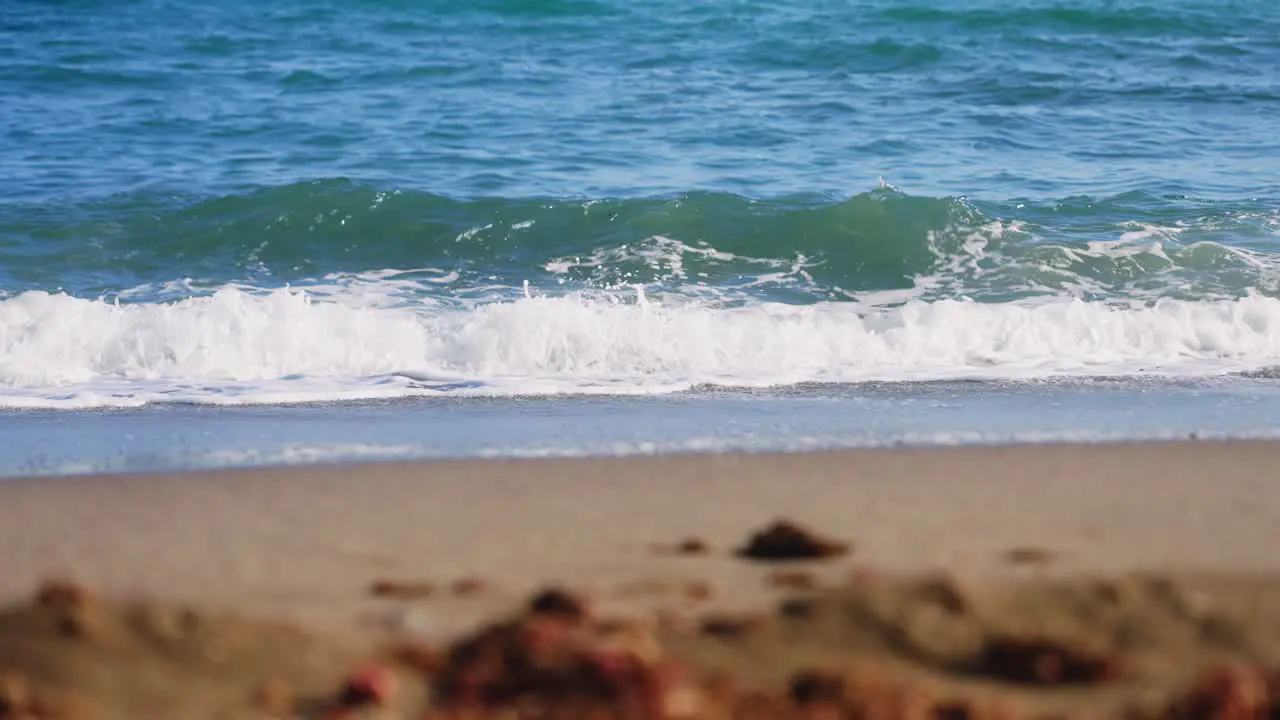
[237, 346]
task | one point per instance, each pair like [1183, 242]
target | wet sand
[469, 541]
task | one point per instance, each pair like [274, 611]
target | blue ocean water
[232, 232]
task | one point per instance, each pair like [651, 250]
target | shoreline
[177, 438]
[922, 447]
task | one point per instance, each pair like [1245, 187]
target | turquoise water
[269, 203]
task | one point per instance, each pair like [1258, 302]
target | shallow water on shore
[818, 417]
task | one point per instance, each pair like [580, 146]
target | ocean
[241, 233]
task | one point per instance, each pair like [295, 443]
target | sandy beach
[303, 544]
[308, 539]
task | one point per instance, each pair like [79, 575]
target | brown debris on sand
[905, 647]
[402, 589]
[688, 546]
[1227, 692]
[70, 606]
[551, 665]
[1037, 661]
[816, 686]
[693, 546]
[71, 653]
[829, 693]
[557, 602]
[792, 580]
[61, 594]
[785, 540]
[545, 656]
[796, 608]
[1028, 556]
[371, 686]
[468, 586]
[945, 590]
[731, 627]
[421, 658]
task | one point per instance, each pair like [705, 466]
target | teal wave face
[797, 249]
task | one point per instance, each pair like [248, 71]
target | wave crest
[284, 346]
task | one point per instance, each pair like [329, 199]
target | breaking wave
[286, 346]
[331, 290]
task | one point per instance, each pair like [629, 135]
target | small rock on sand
[786, 540]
